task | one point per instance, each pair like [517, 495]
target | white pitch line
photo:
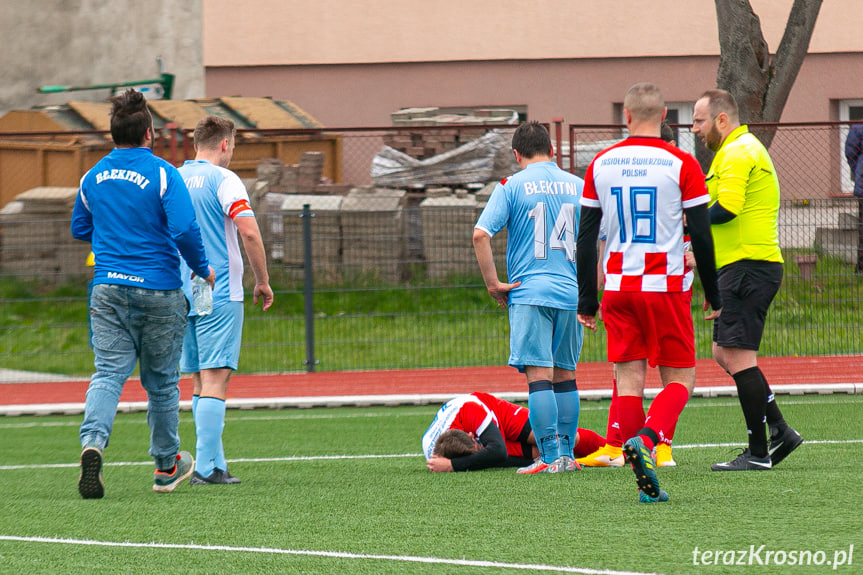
[289, 459]
[805, 441]
[231, 417]
[331, 554]
[240, 460]
[417, 399]
[235, 415]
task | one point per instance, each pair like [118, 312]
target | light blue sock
[195, 399]
[543, 418]
[568, 409]
[220, 457]
[209, 421]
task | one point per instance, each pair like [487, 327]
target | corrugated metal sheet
[185, 113]
[95, 114]
[263, 113]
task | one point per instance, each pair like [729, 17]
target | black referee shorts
[747, 288]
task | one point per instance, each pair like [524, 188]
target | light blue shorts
[213, 341]
[544, 337]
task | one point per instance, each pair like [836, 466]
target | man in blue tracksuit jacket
[136, 211]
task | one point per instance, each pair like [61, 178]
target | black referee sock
[752, 393]
[775, 421]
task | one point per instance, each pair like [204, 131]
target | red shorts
[656, 326]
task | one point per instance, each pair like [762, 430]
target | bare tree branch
[761, 85]
[789, 57]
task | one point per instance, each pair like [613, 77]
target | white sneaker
[566, 464]
[538, 466]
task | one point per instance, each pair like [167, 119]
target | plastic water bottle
[202, 296]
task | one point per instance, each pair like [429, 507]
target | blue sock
[195, 399]
[209, 421]
[220, 462]
[568, 408]
[543, 418]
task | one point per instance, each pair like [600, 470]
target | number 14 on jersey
[562, 234]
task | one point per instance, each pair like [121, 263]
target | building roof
[263, 113]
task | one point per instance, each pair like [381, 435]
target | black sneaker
[643, 464]
[90, 484]
[782, 444]
[744, 462]
[217, 477]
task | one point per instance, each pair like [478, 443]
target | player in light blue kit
[539, 207]
[211, 348]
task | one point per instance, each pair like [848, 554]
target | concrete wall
[70, 42]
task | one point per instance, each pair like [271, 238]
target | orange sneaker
[663, 456]
[605, 456]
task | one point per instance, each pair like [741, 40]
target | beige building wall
[353, 63]
[278, 33]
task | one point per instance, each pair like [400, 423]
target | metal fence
[392, 281]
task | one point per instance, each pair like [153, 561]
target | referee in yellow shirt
[744, 207]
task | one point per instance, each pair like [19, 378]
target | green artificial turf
[346, 491]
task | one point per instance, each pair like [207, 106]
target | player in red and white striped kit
[611, 454]
[499, 435]
[643, 186]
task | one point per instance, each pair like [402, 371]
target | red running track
[590, 376]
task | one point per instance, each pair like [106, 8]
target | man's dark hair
[531, 139]
[666, 133]
[454, 443]
[130, 118]
[212, 130]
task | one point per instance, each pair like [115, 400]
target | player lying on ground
[479, 431]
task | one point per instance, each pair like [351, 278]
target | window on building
[680, 113]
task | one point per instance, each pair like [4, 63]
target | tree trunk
[789, 57]
[759, 83]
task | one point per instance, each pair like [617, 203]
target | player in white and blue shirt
[219, 196]
[211, 347]
[539, 207]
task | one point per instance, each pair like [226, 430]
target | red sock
[588, 442]
[664, 411]
[630, 415]
[612, 430]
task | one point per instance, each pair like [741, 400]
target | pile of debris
[305, 178]
[465, 149]
[423, 143]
